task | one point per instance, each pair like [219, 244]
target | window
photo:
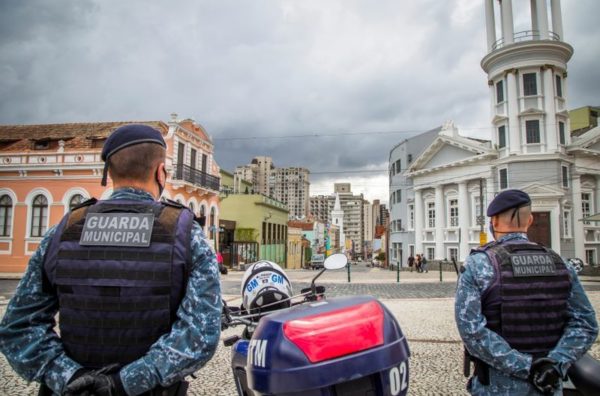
[500, 91]
[75, 200]
[192, 208]
[430, 253]
[565, 176]
[586, 209]
[559, 92]
[409, 158]
[431, 214]
[532, 128]
[503, 176]
[567, 223]
[41, 145]
[590, 256]
[398, 196]
[6, 207]
[453, 209]
[453, 254]
[39, 215]
[502, 136]
[411, 217]
[529, 84]
[398, 166]
[476, 209]
[561, 133]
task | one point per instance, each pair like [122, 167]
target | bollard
[348, 265]
[398, 273]
[440, 270]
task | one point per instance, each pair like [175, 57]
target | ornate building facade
[47, 169]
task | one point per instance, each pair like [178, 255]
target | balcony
[527, 35]
[196, 177]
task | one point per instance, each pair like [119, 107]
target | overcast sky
[331, 85]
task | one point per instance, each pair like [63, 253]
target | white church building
[440, 179]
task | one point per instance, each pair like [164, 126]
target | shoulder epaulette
[173, 204]
[85, 203]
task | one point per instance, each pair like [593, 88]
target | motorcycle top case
[339, 346]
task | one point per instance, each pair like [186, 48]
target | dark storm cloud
[268, 68]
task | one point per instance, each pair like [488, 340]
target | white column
[440, 222]
[490, 192]
[507, 21]
[490, 24]
[533, 12]
[542, 18]
[463, 219]
[555, 228]
[514, 137]
[551, 126]
[418, 221]
[578, 237]
[557, 19]
[596, 208]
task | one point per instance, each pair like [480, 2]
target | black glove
[103, 382]
[544, 375]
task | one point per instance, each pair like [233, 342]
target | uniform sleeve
[581, 329]
[194, 335]
[27, 336]
[481, 342]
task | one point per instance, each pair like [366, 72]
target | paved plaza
[421, 303]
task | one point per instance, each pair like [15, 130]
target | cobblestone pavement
[422, 305]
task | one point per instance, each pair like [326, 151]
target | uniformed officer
[521, 312]
[134, 281]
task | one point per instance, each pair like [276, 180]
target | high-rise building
[291, 186]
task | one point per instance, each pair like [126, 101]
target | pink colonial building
[47, 169]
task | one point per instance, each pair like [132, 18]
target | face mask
[491, 228]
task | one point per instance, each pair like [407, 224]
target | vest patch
[117, 229]
[533, 264]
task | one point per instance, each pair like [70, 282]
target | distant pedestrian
[418, 263]
[424, 264]
[411, 262]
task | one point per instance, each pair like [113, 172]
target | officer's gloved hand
[544, 375]
[103, 382]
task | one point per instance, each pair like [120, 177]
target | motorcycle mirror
[336, 261]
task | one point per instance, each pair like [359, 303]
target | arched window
[192, 208]
[212, 223]
[5, 215]
[75, 200]
[39, 215]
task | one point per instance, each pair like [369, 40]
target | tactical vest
[116, 301]
[527, 301]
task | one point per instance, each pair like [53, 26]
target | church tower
[527, 76]
[337, 219]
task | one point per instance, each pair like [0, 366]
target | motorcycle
[350, 346]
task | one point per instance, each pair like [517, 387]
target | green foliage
[381, 256]
[245, 235]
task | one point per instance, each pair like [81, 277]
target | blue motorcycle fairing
[277, 366]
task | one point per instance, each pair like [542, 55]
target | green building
[253, 226]
[583, 119]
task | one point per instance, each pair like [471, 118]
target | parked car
[316, 261]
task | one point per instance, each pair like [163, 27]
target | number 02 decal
[398, 379]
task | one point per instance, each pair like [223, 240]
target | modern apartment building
[289, 185]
